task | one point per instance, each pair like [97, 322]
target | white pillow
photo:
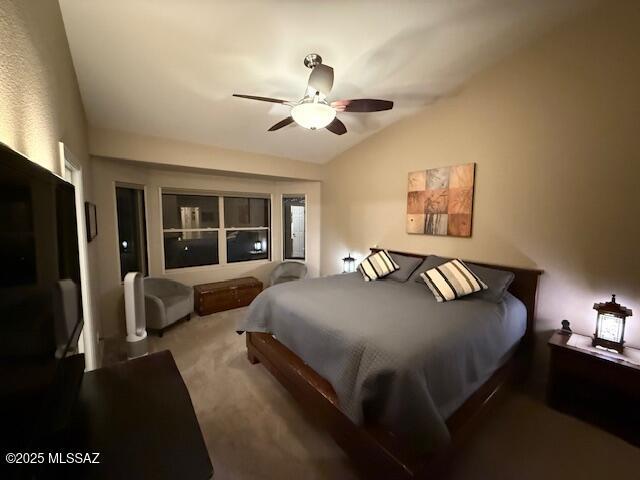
[452, 280]
[377, 265]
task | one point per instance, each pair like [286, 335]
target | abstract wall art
[440, 201]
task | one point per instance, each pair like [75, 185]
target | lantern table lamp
[348, 264]
[257, 246]
[610, 322]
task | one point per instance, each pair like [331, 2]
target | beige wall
[554, 131]
[40, 103]
[108, 172]
[39, 98]
[142, 148]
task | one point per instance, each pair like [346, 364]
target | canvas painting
[440, 201]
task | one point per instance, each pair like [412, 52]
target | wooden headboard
[524, 285]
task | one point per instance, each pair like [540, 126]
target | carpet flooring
[255, 430]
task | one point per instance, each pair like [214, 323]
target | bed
[394, 376]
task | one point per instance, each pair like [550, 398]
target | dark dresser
[138, 417]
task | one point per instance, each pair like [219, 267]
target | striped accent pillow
[452, 280]
[377, 265]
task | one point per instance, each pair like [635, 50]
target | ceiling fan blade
[280, 124]
[321, 79]
[337, 127]
[362, 105]
[262, 99]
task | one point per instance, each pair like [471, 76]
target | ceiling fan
[313, 111]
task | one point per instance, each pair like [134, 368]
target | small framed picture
[92, 220]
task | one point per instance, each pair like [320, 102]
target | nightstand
[596, 386]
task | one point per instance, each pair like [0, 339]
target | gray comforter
[393, 354]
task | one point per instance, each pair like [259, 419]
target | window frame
[226, 229]
[222, 229]
[145, 199]
[306, 220]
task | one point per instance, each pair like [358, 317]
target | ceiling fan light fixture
[313, 115]
[313, 111]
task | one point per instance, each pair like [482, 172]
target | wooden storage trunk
[216, 297]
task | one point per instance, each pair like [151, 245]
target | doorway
[294, 223]
[88, 342]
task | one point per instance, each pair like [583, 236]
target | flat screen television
[40, 296]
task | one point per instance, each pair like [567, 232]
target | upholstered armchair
[166, 301]
[288, 271]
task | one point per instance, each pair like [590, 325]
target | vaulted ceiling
[168, 68]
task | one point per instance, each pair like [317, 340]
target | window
[293, 223]
[190, 228]
[192, 225]
[68, 172]
[132, 235]
[246, 223]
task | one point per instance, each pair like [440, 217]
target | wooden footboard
[367, 448]
[377, 452]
